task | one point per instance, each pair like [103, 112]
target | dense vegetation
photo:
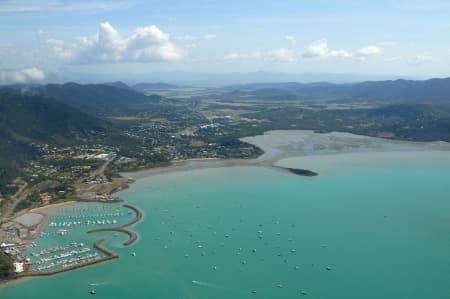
[97, 98]
[26, 120]
[417, 122]
[6, 266]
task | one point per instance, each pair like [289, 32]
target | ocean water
[372, 225]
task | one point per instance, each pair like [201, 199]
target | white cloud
[316, 50]
[366, 52]
[232, 56]
[146, 44]
[28, 75]
[319, 49]
[59, 48]
[282, 55]
[210, 36]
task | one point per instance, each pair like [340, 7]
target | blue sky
[403, 38]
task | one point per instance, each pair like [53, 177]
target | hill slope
[25, 119]
[96, 98]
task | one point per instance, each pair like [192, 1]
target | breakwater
[132, 236]
[98, 245]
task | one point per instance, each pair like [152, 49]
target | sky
[39, 39]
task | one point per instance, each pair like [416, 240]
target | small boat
[133, 254]
[253, 291]
[328, 268]
[92, 292]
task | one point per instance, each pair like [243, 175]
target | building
[18, 267]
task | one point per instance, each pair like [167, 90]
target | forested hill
[25, 119]
[38, 118]
[96, 98]
[432, 91]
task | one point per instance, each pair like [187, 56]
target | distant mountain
[220, 78]
[430, 91]
[118, 84]
[153, 86]
[96, 98]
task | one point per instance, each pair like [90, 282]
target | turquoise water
[380, 223]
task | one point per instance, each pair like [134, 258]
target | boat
[92, 292]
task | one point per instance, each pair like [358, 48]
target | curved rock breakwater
[132, 236]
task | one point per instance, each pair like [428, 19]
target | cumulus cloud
[59, 48]
[316, 50]
[235, 56]
[320, 49]
[28, 75]
[282, 55]
[145, 44]
[366, 52]
[232, 56]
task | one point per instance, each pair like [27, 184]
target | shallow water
[380, 222]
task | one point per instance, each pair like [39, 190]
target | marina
[68, 223]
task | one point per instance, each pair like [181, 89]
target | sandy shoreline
[40, 209]
[187, 165]
[282, 144]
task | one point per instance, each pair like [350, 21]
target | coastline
[186, 165]
[40, 209]
[272, 154]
